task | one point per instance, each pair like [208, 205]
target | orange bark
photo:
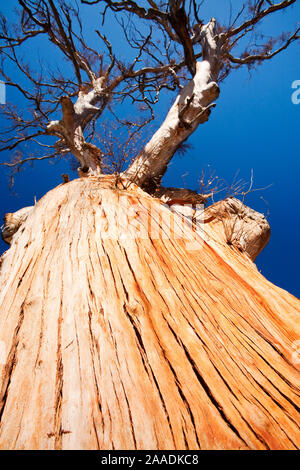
[140, 343]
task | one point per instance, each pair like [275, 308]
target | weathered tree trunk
[110, 341]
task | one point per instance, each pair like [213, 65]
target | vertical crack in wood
[59, 380]
[11, 364]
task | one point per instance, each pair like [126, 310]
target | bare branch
[259, 15]
[20, 162]
[166, 42]
[252, 58]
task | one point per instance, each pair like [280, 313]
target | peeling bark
[180, 196]
[140, 343]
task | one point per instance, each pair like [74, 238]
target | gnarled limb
[243, 227]
[70, 127]
[191, 108]
[13, 221]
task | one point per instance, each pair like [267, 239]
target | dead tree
[112, 335]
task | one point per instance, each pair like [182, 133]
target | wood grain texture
[140, 343]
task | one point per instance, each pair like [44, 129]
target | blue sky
[255, 126]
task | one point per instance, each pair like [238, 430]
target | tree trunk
[110, 341]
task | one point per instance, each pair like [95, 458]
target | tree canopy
[171, 48]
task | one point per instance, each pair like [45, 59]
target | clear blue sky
[255, 126]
